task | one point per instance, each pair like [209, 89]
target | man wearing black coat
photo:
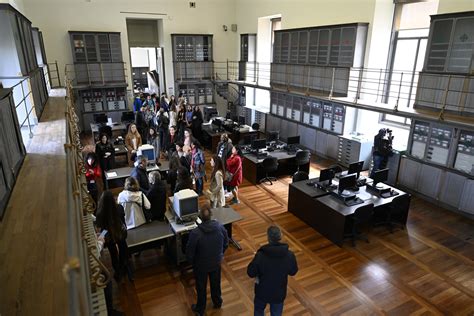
[205, 250]
[271, 266]
[139, 173]
[224, 148]
[157, 196]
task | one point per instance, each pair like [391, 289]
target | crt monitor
[185, 204]
[217, 123]
[148, 151]
[294, 140]
[325, 175]
[128, 116]
[380, 176]
[356, 167]
[347, 182]
[259, 144]
[100, 118]
[241, 120]
[273, 136]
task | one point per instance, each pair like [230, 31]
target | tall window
[409, 40]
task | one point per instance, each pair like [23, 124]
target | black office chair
[397, 212]
[336, 169]
[361, 216]
[269, 164]
[300, 176]
[107, 130]
[256, 126]
[302, 158]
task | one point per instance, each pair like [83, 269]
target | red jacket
[234, 166]
[95, 174]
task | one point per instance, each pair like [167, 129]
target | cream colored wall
[17, 4]
[56, 17]
[448, 6]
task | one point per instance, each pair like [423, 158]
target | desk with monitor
[122, 173]
[252, 167]
[101, 119]
[324, 208]
[238, 133]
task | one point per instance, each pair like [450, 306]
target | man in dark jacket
[271, 266]
[224, 148]
[139, 173]
[157, 196]
[205, 250]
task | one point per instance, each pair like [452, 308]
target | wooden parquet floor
[426, 269]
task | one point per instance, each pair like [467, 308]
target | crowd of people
[174, 129]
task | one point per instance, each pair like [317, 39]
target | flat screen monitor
[326, 174]
[148, 151]
[128, 116]
[356, 167]
[380, 176]
[259, 144]
[100, 118]
[185, 204]
[249, 138]
[294, 140]
[347, 182]
[273, 136]
[241, 120]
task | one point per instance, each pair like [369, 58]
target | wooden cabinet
[12, 150]
[93, 47]
[192, 47]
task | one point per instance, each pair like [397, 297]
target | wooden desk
[253, 170]
[213, 137]
[327, 214]
[124, 172]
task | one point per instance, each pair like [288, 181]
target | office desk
[224, 215]
[148, 235]
[116, 127]
[214, 137]
[124, 172]
[253, 170]
[327, 214]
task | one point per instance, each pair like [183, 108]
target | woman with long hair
[234, 166]
[133, 140]
[111, 217]
[181, 119]
[173, 172]
[184, 180]
[154, 140]
[93, 175]
[133, 201]
[216, 188]
[105, 152]
[173, 115]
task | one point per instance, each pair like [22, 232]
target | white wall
[56, 17]
[448, 6]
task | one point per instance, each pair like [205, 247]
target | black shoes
[196, 311]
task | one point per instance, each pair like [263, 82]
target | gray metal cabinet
[467, 199]
[452, 189]
[12, 150]
[409, 172]
[451, 43]
[333, 142]
[464, 160]
[307, 137]
[92, 47]
[429, 181]
[352, 150]
[322, 143]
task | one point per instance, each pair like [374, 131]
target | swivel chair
[269, 164]
[396, 213]
[302, 158]
[361, 216]
[300, 176]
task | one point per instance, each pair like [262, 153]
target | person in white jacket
[133, 200]
[216, 188]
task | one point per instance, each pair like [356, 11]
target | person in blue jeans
[270, 267]
[198, 165]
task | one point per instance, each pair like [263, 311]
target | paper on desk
[112, 174]
[116, 149]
